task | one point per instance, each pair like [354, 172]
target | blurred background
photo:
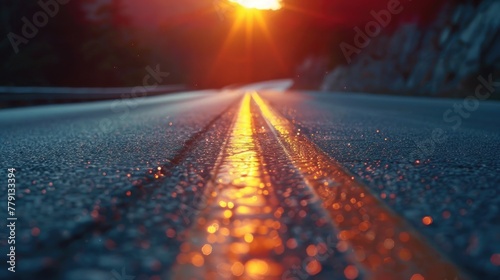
[430, 48]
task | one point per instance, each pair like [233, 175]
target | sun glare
[260, 4]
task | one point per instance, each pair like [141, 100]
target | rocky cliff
[443, 58]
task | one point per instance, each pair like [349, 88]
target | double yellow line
[236, 236]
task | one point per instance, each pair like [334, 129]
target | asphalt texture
[113, 189]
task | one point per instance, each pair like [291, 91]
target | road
[254, 183]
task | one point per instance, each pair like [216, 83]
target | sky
[213, 51]
[326, 13]
[191, 39]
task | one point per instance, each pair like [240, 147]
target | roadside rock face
[444, 58]
[311, 73]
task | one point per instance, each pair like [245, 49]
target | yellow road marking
[236, 236]
[385, 246]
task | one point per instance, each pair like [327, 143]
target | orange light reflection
[236, 242]
[366, 226]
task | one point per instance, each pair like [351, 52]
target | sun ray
[248, 19]
[235, 28]
[262, 24]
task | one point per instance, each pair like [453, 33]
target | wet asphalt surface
[110, 189]
[388, 143]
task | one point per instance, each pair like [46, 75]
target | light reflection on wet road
[243, 185]
[383, 244]
[236, 236]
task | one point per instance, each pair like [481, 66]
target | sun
[260, 4]
[249, 20]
